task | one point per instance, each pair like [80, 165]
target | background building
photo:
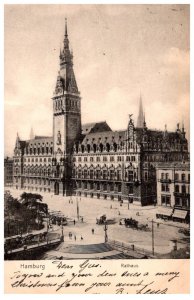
[173, 185]
[8, 171]
[91, 159]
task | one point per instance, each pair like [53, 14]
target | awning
[165, 212]
[181, 214]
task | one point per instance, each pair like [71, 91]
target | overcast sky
[119, 51]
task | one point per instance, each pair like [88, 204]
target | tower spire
[17, 143]
[144, 120]
[66, 35]
[140, 120]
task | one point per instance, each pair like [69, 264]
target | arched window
[85, 173]
[79, 173]
[108, 147]
[112, 173]
[119, 174]
[91, 174]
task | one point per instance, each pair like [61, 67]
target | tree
[33, 202]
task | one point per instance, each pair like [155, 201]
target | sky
[120, 52]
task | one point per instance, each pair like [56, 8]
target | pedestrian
[92, 230]
[158, 224]
[74, 222]
[119, 213]
[81, 237]
[75, 237]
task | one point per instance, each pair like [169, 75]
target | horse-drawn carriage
[104, 220]
[129, 222]
[132, 223]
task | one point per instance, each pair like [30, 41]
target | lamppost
[152, 236]
[77, 208]
[62, 235]
[105, 232]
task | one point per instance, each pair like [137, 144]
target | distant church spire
[17, 143]
[140, 120]
[31, 134]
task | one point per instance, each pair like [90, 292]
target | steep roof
[40, 139]
[106, 136]
[154, 134]
[95, 127]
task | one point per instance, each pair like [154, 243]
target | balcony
[182, 195]
[181, 181]
[165, 180]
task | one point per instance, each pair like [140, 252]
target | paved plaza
[91, 208]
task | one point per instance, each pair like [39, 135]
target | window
[177, 188]
[177, 201]
[146, 176]
[91, 159]
[85, 159]
[162, 175]
[118, 158]
[188, 177]
[183, 177]
[104, 174]
[130, 189]
[119, 187]
[111, 187]
[165, 200]
[79, 173]
[105, 187]
[91, 174]
[165, 187]
[98, 174]
[104, 158]
[167, 175]
[127, 158]
[130, 176]
[176, 176]
[112, 173]
[98, 186]
[112, 158]
[118, 174]
[85, 174]
[183, 189]
[79, 159]
[98, 158]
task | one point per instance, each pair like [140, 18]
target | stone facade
[91, 159]
[173, 185]
[8, 171]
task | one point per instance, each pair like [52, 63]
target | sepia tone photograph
[97, 137]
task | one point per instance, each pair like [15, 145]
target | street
[91, 208]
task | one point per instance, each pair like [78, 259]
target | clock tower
[66, 120]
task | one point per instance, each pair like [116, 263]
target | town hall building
[92, 160]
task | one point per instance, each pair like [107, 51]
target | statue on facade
[59, 138]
